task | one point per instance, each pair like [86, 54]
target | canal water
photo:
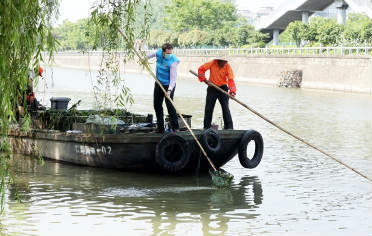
[294, 191]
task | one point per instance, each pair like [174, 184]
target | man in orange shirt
[221, 75]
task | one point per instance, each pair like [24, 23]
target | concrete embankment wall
[349, 74]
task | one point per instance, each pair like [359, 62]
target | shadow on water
[165, 201]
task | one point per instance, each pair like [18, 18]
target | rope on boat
[282, 129]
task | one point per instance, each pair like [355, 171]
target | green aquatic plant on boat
[64, 119]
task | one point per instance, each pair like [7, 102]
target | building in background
[255, 16]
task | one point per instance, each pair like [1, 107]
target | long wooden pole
[165, 93]
[279, 127]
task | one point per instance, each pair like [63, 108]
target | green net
[221, 178]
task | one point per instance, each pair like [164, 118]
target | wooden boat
[139, 151]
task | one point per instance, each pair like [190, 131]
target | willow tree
[105, 21]
[26, 34]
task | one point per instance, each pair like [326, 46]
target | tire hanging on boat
[172, 153]
[211, 141]
[248, 136]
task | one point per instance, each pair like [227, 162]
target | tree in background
[74, 36]
[193, 38]
[258, 39]
[217, 21]
[296, 31]
[209, 15]
[157, 13]
[328, 31]
[157, 37]
[178, 22]
[244, 35]
[224, 35]
[358, 29]
[234, 34]
[310, 33]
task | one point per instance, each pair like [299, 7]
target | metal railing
[281, 51]
[272, 51]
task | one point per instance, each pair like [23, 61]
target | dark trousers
[212, 95]
[158, 106]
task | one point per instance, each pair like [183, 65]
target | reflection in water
[167, 203]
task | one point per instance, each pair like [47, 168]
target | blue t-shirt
[163, 66]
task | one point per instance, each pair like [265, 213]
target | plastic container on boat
[59, 103]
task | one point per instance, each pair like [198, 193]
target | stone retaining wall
[290, 79]
[349, 74]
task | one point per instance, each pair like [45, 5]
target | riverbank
[339, 73]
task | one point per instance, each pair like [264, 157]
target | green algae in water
[221, 178]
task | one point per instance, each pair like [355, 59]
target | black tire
[172, 153]
[248, 136]
[211, 141]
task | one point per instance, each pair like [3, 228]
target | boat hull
[129, 152]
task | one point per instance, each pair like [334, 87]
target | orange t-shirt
[219, 76]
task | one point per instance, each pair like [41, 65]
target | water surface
[294, 191]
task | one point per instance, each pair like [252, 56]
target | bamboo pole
[282, 129]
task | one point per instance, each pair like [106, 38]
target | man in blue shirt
[166, 72]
